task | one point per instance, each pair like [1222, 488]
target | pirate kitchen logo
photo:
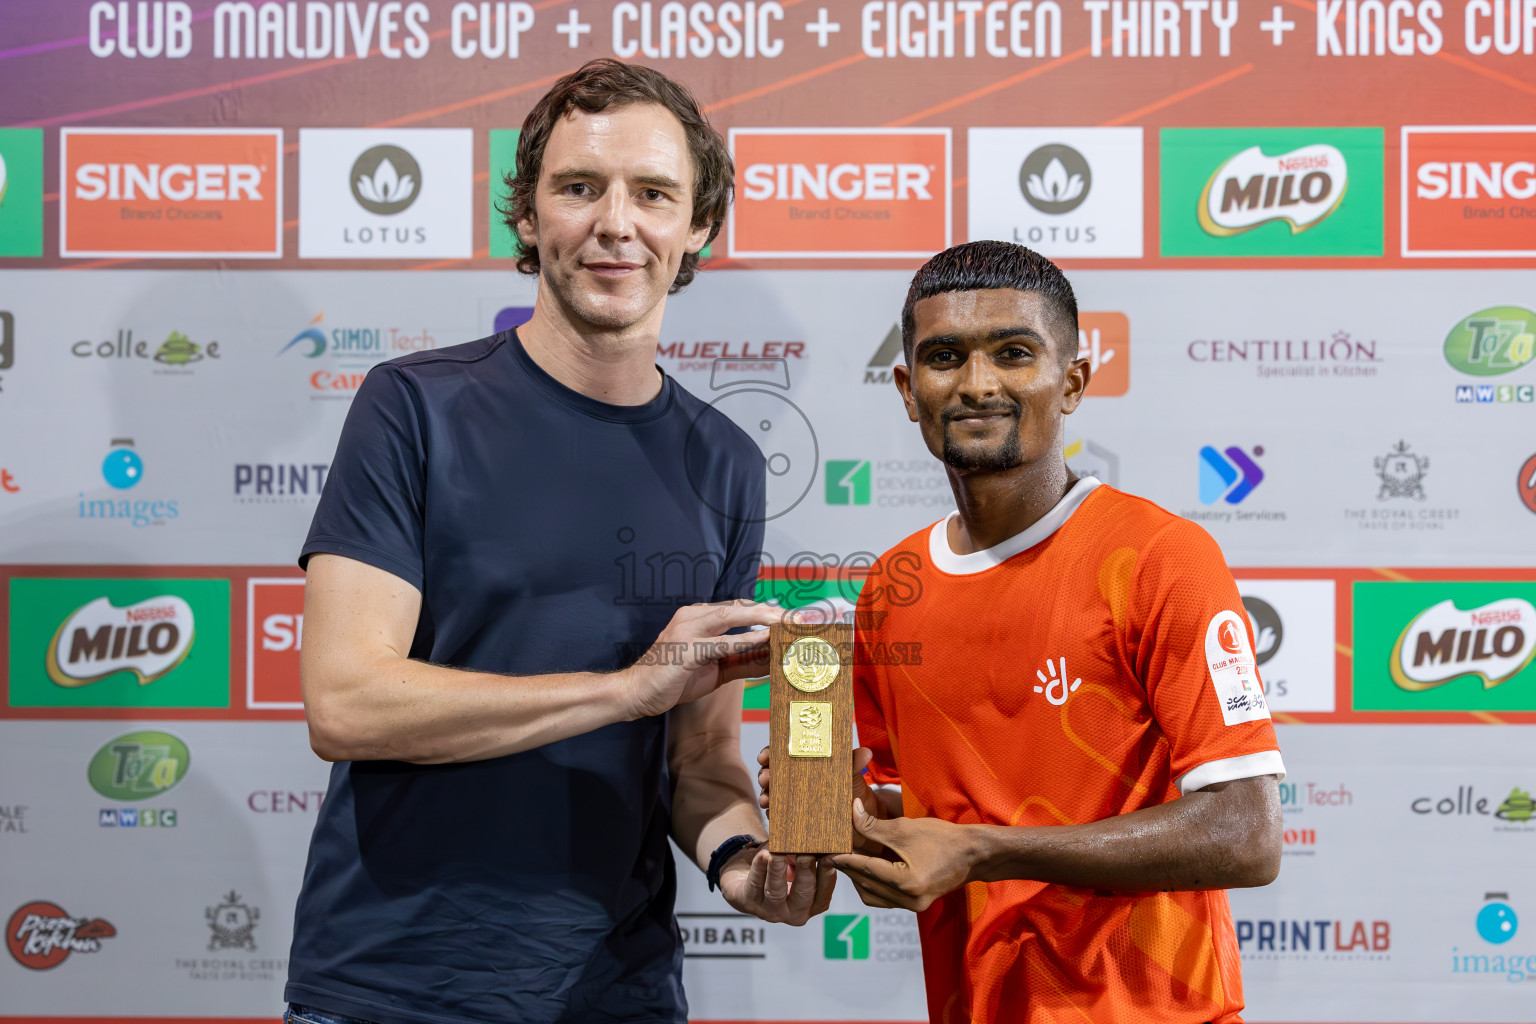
[98, 640]
[233, 924]
[1301, 188]
[1494, 643]
[41, 935]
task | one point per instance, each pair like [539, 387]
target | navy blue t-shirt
[547, 532]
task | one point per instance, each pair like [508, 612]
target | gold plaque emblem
[811, 664]
[810, 728]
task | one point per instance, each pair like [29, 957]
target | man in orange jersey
[1083, 760]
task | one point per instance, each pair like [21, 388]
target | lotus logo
[386, 180]
[1300, 188]
[99, 640]
[1494, 643]
[1268, 630]
[1055, 179]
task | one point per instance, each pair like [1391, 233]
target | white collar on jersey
[963, 565]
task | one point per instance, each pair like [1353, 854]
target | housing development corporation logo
[1074, 192]
[848, 482]
[891, 937]
[41, 935]
[1271, 191]
[166, 193]
[845, 937]
[1469, 191]
[830, 193]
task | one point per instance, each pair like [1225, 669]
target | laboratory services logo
[1485, 951]
[169, 193]
[1468, 191]
[277, 483]
[1314, 938]
[723, 936]
[400, 193]
[1399, 502]
[1292, 622]
[1445, 646]
[1240, 192]
[122, 469]
[230, 927]
[274, 639]
[1339, 355]
[21, 191]
[1227, 478]
[883, 937]
[176, 355]
[1525, 483]
[840, 193]
[1491, 343]
[141, 643]
[1064, 192]
[41, 935]
[888, 483]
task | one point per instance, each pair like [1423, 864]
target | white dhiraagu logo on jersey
[1233, 670]
[1054, 686]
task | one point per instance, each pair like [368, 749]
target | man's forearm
[712, 793]
[1217, 838]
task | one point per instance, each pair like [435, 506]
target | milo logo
[1300, 187]
[1494, 643]
[138, 765]
[99, 640]
[1492, 341]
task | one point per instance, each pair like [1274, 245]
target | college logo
[1492, 342]
[96, 643]
[176, 352]
[1401, 473]
[1469, 191]
[1517, 807]
[1074, 192]
[1271, 192]
[1525, 483]
[1229, 475]
[41, 935]
[274, 637]
[138, 765]
[233, 924]
[169, 193]
[840, 193]
[399, 193]
[1233, 669]
[21, 192]
[1444, 646]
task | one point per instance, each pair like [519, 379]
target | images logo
[1496, 921]
[1494, 642]
[1231, 475]
[41, 935]
[138, 765]
[167, 193]
[840, 193]
[1467, 191]
[1401, 473]
[1492, 342]
[848, 482]
[99, 640]
[122, 468]
[845, 936]
[21, 192]
[1525, 483]
[1272, 192]
[384, 180]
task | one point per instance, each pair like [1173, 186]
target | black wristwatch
[724, 852]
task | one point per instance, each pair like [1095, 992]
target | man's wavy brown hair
[596, 86]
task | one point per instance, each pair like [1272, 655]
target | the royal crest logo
[1401, 473]
[41, 935]
[1301, 188]
[233, 924]
[149, 639]
[1494, 643]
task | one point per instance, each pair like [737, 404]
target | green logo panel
[138, 765]
[80, 616]
[1492, 341]
[21, 191]
[1444, 646]
[502, 242]
[845, 937]
[848, 482]
[1345, 221]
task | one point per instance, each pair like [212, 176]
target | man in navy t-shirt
[520, 579]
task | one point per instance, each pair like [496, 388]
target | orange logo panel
[1104, 339]
[882, 193]
[156, 193]
[275, 637]
[1469, 193]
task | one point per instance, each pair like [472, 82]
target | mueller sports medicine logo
[1494, 643]
[41, 935]
[166, 193]
[840, 193]
[1469, 191]
[1300, 188]
[149, 639]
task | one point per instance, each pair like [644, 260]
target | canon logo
[176, 182]
[1469, 180]
[837, 181]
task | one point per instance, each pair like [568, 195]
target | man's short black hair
[982, 266]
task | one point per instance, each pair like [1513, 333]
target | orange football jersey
[1097, 663]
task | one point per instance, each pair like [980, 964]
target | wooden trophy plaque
[810, 738]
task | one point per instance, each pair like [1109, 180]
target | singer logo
[274, 636]
[168, 193]
[1469, 192]
[840, 193]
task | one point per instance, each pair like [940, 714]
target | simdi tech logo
[99, 643]
[1444, 646]
[171, 193]
[840, 193]
[1469, 191]
[1244, 192]
[21, 191]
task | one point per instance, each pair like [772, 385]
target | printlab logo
[123, 469]
[1229, 475]
[1525, 483]
[1316, 937]
[267, 483]
[233, 924]
[41, 935]
[385, 180]
[1268, 630]
[1055, 179]
[845, 937]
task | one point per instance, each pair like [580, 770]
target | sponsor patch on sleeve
[1233, 670]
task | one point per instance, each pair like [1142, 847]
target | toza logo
[138, 765]
[1494, 642]
[1055, 179]
[385, 180]
[1491, 342]
[1401, 473]
[1231, 475]
[149, 639]
[1300, 188]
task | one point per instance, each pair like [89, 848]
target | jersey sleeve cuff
[1247, 766]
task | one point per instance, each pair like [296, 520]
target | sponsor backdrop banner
[1304, 242]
